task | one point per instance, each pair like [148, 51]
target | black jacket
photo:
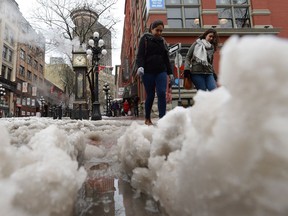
[153, 55]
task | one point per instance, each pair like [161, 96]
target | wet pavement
[107, 192]
[105, 195]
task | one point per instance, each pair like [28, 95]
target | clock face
[79, 60]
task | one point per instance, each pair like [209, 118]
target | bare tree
[55, 18]
[58, 20]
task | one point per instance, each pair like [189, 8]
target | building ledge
[221, 31]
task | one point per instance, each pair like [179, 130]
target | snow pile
[228, 154]
[39, 178]
[40, 159]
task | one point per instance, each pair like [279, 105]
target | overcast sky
[26, 7]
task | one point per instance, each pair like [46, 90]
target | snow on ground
[41, 158]
[228, 154]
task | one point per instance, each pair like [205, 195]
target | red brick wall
[276, 18]
[279, 12]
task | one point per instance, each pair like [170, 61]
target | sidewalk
[124, 118]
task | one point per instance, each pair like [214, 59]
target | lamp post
[94, 51]
[42, 105]
[106, 89]
[109, 105]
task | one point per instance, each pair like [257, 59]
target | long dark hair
[215, 39]
[155, 24]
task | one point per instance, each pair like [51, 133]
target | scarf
[200, 52]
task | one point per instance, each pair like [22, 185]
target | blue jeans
[204, 81]
[152, 81]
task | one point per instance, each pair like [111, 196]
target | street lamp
[2, 91]
[94, 51]
[42, 105]
[106, 89]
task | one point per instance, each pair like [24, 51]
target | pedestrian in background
[115, 108]
[199, 61]
[135, 103]
[153, 66]
[126, 107]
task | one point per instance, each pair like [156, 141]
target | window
[41, 68]
[29, 75]
[233, 13]
[18, 88]
[3, 70]
[183, 13]
[22, 54]
[24, 101]
[35, 78]
[35, 64]
[29, 60]
[22, 71]
[10, 55]
[4, 52]
[9, 74]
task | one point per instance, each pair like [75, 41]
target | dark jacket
[196, 67]
[153, 55]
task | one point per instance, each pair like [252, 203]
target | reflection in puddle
[103, 195]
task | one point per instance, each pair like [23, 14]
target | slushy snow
[228, 154]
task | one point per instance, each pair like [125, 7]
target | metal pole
[96, 115]
[178, 73]
[80, 112]
[106, 102]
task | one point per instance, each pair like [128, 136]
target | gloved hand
[186, 73]
[140, 71]
[172, 79]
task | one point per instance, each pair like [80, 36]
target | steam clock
[80, 105]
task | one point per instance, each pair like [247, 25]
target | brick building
[185, 20]
[22, 62]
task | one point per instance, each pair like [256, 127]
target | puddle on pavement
[103, 195]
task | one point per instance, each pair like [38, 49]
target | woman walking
[199, 61]
[153, 66]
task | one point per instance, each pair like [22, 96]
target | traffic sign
[174, 48]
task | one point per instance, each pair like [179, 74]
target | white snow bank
[228, 154]
[40, 178]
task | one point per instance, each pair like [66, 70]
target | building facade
[30, 63]
[8, 48]
[60, 82]
[22, 62]
[185, 20]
